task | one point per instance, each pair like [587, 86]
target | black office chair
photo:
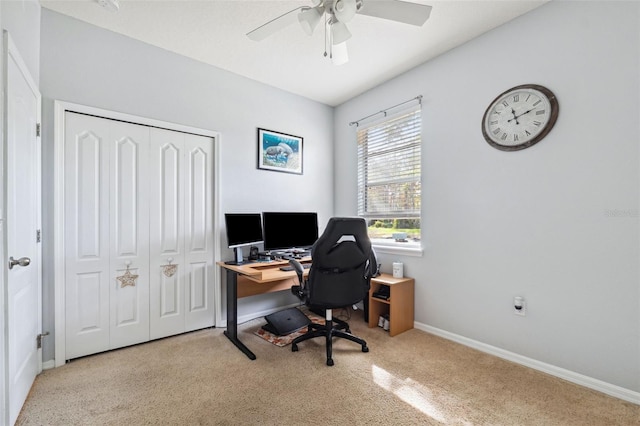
[342, 264]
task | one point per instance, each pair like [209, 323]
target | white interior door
[23, 215]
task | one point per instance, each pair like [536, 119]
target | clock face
[520, 117]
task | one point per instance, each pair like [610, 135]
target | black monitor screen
[243, 229]
[289, 230]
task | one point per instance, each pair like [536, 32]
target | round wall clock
[520, 117]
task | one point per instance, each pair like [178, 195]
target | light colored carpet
[414, 378]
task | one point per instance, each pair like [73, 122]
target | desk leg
[232, 314]
[365, 303]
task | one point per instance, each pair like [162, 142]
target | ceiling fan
[336, 14]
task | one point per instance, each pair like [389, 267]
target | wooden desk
[248, 280]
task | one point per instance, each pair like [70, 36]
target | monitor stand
[239, 258]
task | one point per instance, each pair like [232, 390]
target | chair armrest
[298, 290]
[297, 266]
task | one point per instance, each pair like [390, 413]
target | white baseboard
[48, 365]
[570, 376]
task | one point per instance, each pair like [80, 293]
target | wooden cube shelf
[399, 307]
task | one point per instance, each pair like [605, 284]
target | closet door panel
[198, 279]
[86, 235]
[170, 296]
[169, 198]
[127, 311]
[87, 316]
[199, 231]
[166, 223]
[129, 231]
[125, 203]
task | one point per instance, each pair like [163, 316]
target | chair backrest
[342, 264]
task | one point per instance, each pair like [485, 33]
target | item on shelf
[383, 292]
[398, 270]
[383, 322]
[386, 324]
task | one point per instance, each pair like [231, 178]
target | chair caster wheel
[365, 349]
[294, 348]
[330, 362]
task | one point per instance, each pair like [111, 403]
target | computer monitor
[289, 230]
[243, 229]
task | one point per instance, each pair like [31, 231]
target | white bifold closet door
[137, 198]
[181, 174]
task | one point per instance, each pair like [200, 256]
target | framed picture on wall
[279, 152]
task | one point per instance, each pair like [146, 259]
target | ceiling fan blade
[274, 25]
[396, 10]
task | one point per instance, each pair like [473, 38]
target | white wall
[88, 65]
[22, 19]
[556, 223]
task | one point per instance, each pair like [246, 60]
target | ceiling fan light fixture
[309, 18]
[344, 10]
[110, 5]
[339, 54]
[339, 32]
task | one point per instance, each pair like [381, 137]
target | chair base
[329, 330]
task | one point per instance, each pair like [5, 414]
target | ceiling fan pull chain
[325, 35]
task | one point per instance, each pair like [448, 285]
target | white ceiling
[214, 32]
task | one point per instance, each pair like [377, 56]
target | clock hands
[526, 112]
[515, 117]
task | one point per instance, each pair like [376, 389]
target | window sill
[414, 251]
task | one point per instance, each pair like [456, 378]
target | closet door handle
[23, 261]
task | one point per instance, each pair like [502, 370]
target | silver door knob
[23, 261]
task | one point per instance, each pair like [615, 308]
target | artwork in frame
[279, 152]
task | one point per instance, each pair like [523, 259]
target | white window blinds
[389, 166]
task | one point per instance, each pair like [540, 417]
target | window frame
[386, 245]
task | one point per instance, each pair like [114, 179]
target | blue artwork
[280, 152]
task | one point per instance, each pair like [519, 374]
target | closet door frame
[60, 109]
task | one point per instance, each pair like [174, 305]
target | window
[389, 168]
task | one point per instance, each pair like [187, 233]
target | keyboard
[296, 254]
[290, 268]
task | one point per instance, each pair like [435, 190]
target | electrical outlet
[519, 306]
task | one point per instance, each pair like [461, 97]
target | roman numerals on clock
[520, 117]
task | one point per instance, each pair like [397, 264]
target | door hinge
[38, 236]
[39, 338]
[38, 129]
